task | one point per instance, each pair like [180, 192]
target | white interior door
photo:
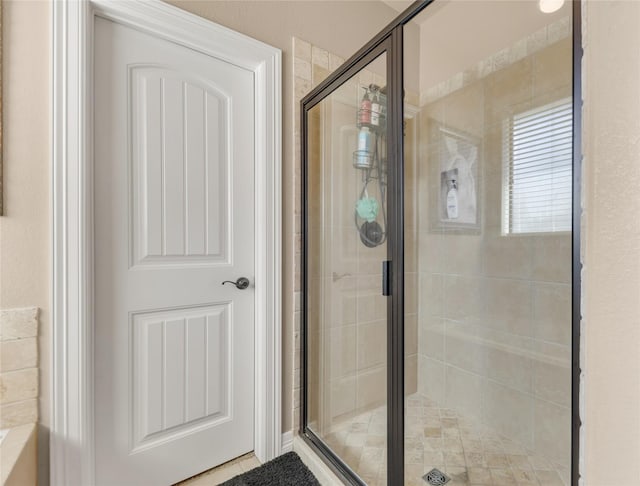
[174, 218]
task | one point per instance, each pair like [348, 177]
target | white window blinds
[538, 170]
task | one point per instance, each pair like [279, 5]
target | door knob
[241, 284]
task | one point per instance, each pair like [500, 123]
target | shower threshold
[468, 452]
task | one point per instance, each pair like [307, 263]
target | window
[537, 170]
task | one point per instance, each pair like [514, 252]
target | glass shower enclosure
[440, 266]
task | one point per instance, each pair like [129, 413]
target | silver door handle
[241, 284]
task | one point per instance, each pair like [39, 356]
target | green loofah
[367, 208]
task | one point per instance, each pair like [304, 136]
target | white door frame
[72, 410]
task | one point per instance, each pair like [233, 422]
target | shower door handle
[241, 284]
[386, 278]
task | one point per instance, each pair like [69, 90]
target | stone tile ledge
[18, 456]
[19, 374]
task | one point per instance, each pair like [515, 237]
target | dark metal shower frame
[390, 41]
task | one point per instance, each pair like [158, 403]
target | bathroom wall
[24, 227]
[495, 309]
[610, 361]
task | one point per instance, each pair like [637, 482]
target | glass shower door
[488, 191]
[346, 246]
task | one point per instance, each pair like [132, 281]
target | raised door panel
[181, 375]
[180, 167]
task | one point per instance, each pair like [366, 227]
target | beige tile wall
[347, 334]
[18, 367]
[495, 311]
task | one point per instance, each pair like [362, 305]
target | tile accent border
[531, 44]
[311, 65]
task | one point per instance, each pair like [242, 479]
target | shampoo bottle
[375, 110]
[365, 110]
[364, 139]
[452, 199]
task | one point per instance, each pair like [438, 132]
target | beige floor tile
[369, 479]
[362, 427]
[431, 444]
[454, 445]
[414, 457]
[513, 448]
[414, 482]
[565, 474]
[493, 445]
[224, 474]
[472, 445]
[450, 423]
[471, 434]
[436, 437]
[451, 434]
[455, 459]
[549, 478]
[201, 480]
[458, 475]
[414, 443]
[479, 475]
[474, 459]
[540, 463]
[356, 439]
[432, 422]
[496, 461]
[373, 454]
[433, 432]
[503, 477]
[430, 458]
[413, 470]
[518, 461]
[375, 441]
[525, 476]
[368, 469]
[448, 413]
[248, 463]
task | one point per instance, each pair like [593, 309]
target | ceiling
[398, 5]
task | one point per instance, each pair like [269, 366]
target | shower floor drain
[436, 478]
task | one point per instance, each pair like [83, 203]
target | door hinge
[386, 277]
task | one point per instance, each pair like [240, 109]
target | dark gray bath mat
[285, 470]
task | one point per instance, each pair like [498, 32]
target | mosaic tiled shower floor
[468, 452]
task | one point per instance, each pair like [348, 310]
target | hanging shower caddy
[370, 158]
